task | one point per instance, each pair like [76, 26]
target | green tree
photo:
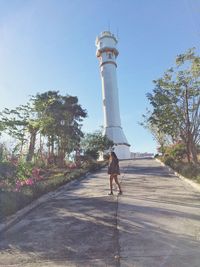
[96, 142]
[16, 123]
[61, 118]
[176, 103]
[51, 115]
[160, 137]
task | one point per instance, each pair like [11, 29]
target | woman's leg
[117, 182]
[111, 181]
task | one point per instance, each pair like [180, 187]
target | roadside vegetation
[48, 149]
[174, 119]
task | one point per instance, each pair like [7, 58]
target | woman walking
[113, 170]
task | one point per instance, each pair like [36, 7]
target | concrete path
[156, 222]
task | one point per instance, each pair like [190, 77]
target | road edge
[192, 183]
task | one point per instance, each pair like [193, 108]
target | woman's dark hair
[113, 155]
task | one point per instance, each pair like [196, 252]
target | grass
[188, 170]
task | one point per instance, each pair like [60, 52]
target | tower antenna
[109, 25]
[117, 33]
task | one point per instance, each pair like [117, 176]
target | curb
[192, 183]
[24, 211]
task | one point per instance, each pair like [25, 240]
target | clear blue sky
[50, 45]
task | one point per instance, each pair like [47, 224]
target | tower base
[122, 151]
[116, 134]
[121, 147]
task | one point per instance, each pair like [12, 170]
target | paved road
[156, 222]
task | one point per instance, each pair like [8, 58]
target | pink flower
[29, 181]
[36, 174]
[72, 166]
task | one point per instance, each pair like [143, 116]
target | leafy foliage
[96, 142]
[50, 115]
[11, 201]
[176, 104]
[176, 151]
[60, 118]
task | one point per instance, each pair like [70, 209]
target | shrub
[177, 151]
[94, 166]
[7, 172]
[169, 160]
[190, 170]
[1, 152]
[91, 154]
[24, 170]
[106, 157]
[40, 161]
[12, 201]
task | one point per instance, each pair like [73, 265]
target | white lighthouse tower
[107, 53]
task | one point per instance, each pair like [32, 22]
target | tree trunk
[194, 152]
[49, 152]
[188, 137]
[52, 145]
[61, 153]
[188, 151]
[31, 145]
[21, 147]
